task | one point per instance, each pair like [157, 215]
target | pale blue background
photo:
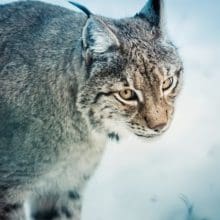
[146, 180]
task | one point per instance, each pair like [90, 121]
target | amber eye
[128, 94]
[167, 83]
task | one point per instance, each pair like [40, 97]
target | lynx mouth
[147, 136]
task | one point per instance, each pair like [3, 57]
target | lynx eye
[128, 94]
[167, 83]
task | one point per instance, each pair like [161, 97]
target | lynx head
[133, 73]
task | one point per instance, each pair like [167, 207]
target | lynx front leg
[54, 206]
[11, 212]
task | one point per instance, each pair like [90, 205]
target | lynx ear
[98, 37]
[153, 12]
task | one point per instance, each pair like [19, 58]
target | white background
[147, 180]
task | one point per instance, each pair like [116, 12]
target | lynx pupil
[167, 83]
[127, 94]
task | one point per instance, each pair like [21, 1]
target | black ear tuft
[152, 12]
[156, 6]
[82, 8]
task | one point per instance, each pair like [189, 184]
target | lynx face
[134, 74]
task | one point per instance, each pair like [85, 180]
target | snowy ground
[179, 173]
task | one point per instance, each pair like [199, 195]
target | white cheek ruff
[118, 127]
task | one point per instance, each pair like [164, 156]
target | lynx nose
[158, 127]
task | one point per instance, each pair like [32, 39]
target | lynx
[68, 82]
